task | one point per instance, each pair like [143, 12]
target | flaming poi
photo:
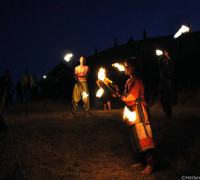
[159, 52]
[129, 115]
[119, 66]
[100, 92]
[68, 57]
[102, 77]
[182, 30]
[101, 74]
[85, 95]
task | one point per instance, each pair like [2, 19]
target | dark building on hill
[58, 83]
[183, 51]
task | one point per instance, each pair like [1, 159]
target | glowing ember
[99, 92]
[182, 30]
[129, 115]
[68, 57]
[119, 66]
[85, 95]
[159, 52]
[101, 74]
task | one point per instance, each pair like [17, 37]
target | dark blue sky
[36, 34]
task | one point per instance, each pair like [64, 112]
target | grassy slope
[51, 144]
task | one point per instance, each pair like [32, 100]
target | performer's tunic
[135, 87]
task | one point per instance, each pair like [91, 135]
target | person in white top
[81, 87]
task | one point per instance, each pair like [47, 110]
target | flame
[67, 57]
[99, 92]
[159, 52]
[119, 66]
[85, 95]
[129, 115]
[182, 30]
[101, 74]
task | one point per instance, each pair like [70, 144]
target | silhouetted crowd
[27, 88]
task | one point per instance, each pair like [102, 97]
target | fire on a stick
[182, 30]
[99, 92]
[101, 74]
[68, 57]
[119, 66]
[85, 95]
[129, 116]
[159, 52]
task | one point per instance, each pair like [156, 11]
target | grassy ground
[51, 144]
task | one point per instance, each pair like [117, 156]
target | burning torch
[182, 30]
[119, 66]
[159, 52]
[113, 88]
[100, 92]
[67, 58]
[129, 116]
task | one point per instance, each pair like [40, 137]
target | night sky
[36, 34]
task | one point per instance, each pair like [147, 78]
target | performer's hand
[116, 87]
[116, 95]
[122, 97]
[130, 123]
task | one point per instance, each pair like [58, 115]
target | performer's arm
[75, 73]
[130, 97]
[98, 83]
[134, 92]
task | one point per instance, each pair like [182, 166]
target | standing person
[6, 88]
[34, 88]
[134, 99]
[27, 85]
[81, 86]
[106, 97]
[166, 67]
